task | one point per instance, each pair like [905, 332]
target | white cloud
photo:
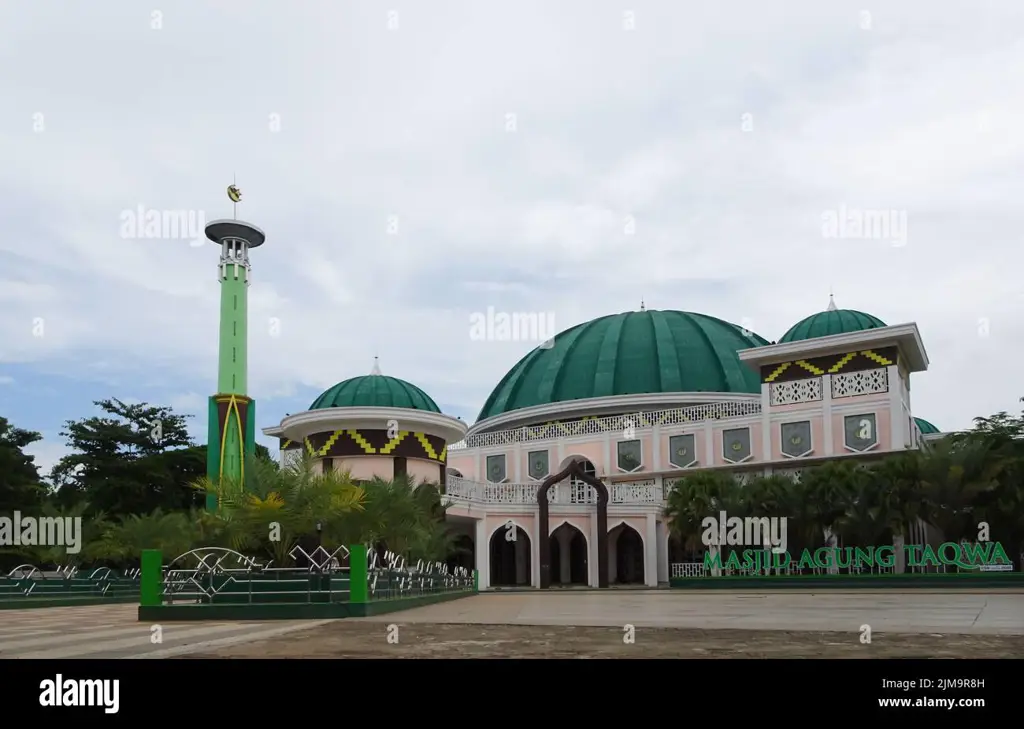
[913, 114]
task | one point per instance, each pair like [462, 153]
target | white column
[897, 420]
[709, 445]
[517, 453]
[592, 551]
[651, 552]
[662, 539]
[656, 446]
[766, 422]
[828, 447]
[535, 549]
[482, 548]
[606, 468]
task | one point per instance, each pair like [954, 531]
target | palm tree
[281, 506]
[403, 517]
[173, 533]
[827, 491]
[696, 497]
[897, 479]
[954, 476]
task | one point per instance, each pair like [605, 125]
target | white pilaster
[709, 445]
[517, 453]
[606, 467]
[482, 550]
[480, 475]
[592, 552]
[651, 552]
[897, 420]
[656, 445]
[561, 456]
[766, 422]
[662, 535]
[828, 447]
[535, 549]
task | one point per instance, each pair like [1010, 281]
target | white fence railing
[612, 423]
[567, 492]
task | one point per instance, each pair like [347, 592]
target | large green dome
[630, 354]
[831, 321]
[375, 391]
[925, 427]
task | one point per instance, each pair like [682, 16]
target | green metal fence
[221, 576]
[28, 585]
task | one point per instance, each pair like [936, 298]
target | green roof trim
[633, 353]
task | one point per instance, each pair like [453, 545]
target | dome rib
[555, 370]
[668, 356]
[375, 391]
[830, 322]
[632, 353]
[608, 355]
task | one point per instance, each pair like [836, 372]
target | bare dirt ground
[368, 639]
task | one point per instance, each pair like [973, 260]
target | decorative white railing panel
[795, 391]
[865, 382]
[612, 423]
[565, 493]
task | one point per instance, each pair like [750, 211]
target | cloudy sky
[412, 165]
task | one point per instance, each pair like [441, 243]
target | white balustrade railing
[596, 426]
[565, 493]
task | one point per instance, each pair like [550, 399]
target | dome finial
[376, 367]
[831, 302]
[642, 307]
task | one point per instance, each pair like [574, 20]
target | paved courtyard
[562, 624]
[918, 611]
[113, 631]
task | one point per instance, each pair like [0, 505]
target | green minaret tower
[232, 419]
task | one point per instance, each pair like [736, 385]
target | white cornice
[301, 425]
[604, 406]
[905, 336]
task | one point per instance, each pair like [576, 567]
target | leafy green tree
[20, 486]
[133, 459]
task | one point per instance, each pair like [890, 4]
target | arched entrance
[626, 547]
[510, 556]
[568, 556]
[573, 471]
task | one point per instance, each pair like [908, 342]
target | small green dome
[829, 322]
[375, 391]
[630, 354]
[925, 427]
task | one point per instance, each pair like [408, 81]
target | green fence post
[357, 574]
[476, 580]
[152, 577]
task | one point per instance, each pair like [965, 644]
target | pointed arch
[504, 525]
[624, 523]
[573, 470]
[574, 525]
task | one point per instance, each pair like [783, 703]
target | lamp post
[319, 534]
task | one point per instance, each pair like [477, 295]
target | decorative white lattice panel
[865, 382]
[794, 391]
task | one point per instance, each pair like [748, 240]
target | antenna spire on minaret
[831, 302]
[234, 194]
[376, 367]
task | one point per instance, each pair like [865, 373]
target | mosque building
[634, 400]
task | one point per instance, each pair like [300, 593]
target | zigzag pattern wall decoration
[865, 359]
[351, 442]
